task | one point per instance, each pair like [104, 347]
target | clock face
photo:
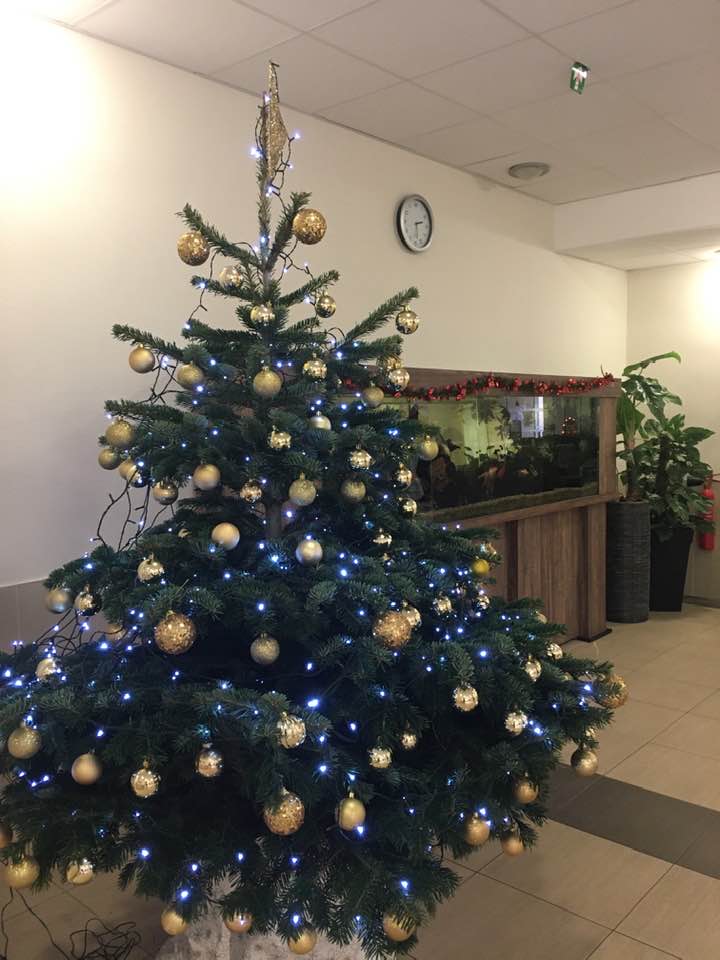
[415, 223]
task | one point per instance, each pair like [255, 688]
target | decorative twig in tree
[306, 697]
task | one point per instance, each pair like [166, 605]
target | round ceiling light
[529, 170]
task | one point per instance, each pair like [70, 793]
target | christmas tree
[304, 698]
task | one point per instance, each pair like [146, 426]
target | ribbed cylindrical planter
[209, 939]
[628, 561]
[668, 569]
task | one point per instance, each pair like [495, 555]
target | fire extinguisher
[706, 538]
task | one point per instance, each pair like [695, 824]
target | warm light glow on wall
[708, 296]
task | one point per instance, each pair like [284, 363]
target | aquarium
[505, 452]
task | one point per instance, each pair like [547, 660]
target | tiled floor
[628, 867]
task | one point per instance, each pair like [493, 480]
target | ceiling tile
[648, 261]
[677, 87]
[399, 112]
[590, 182]
[64, 11]
[520, 73]
[542, 15]
[702, 123]
[639, 34]
[312, 74]
[411, 38]
[569, 115]
[561, 165]
[202, 37]
[700, 239]
[467, 143]
[306, 14]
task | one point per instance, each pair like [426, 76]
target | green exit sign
[578, 76]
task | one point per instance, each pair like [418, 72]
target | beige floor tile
[113, 905]
[674, 773]
[709, 707]
[617, 947]
[559, 867]
[687, 665]
[491, 920]
[693, 734]
[665, 691]
[482, 856]
[16, 905]
[633, 726]
[628, 650]
[680, 915]
[28, 940]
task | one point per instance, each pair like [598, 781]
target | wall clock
[414, 222]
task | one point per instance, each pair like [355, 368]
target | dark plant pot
[668, 568]
[628, 561]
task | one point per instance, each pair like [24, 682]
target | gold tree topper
[273, 133]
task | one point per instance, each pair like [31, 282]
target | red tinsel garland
[482, 384]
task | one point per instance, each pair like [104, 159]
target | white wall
[101, 146]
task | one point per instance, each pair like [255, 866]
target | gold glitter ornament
[325, 306]
[382, 538]
[285, 817]
[309, 552]
[230, 277]
[428, 448]
[309, 226]
[141, 359]
[408, 506]
[540, 616]
[267, 384]
[408, 740]
[360, 459]
[619, 696]
[477, 830]
[465, 698]
[279, 439]
[172, 922]
[442, 605]
[193, 248]
[392, 629]
[511, 844]
[403, 476]
[206, 476]
[350, 813]
[315, 368]
[264, 649]
[533, 668]
[130, 471]
[251, 491]
[80, 872]
[58, 600]
[318, 421]
[6, 836]
[165, 492]
[353, 490]
[412, 615]
[120, 434]
[262, 313]
[145, 782]
[396, 930]
[86, 769]
[554, 651]
[291, 731]
[480, 567]
[372, 396]
[108, 458]
[584, 762]
[304, 942]
[47, 668]
[225, 535]
[22, 874]
[149, 569]
[175, 633]
[24, 742]
[389, 363]
[86, 603]
[302, 492]
[398, 378]
[239, 922]
[407, 321]
[273, 139]
[209, 762]
[525, 791]
[189, 376]
[379, 758]
[515, 722]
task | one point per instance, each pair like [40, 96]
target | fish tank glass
[505, 452]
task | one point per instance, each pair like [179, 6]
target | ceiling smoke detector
[530, 170]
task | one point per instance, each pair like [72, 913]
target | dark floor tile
[565, 786]
[703, 855]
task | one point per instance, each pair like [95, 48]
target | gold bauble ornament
[251, 491]
[350, 813]
[309, 552]
[360, 459]
[129, 471]
[6, 836]
[584, 762]
[239, 922]
[427, 448]
[22, 874]
[209, 762]
[525, 791]
[442, 605]
[58, 600]
[303, 942]
[24, 742]
[149, 569]
[407, 321]
[619, 695]
[108, 458]
[315, 368]
[175, 633]
[291, 731]
[86, 603]
[408, 506]
[403, 476]
[120, 434]
[206, 476]
[80, 872]
[172, 922]
[262, 313]
[480, 567]
[230, 277]
[515, 722]
[325, 306]
[302, 492]
[477, 830]
[511, 844]
[189, 376]
[264, 649]
[309, 225]
[165, 492]
[465, 698]
[145, 782]
[396, 930]
[353, 490]
[193, 248]
[372, 396]
[533, 668]
[47, 668]
[392, 629]
[554, 651]
[285, 817]
[408, 740]
[279, 439]
[390, 363]
[540, 616]
[382, 538]
[318, 421]
[412, 615]
[267, 384]
[379, 758]
[86, 769]
[141, 359]
[398, 378]
[225, 535]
